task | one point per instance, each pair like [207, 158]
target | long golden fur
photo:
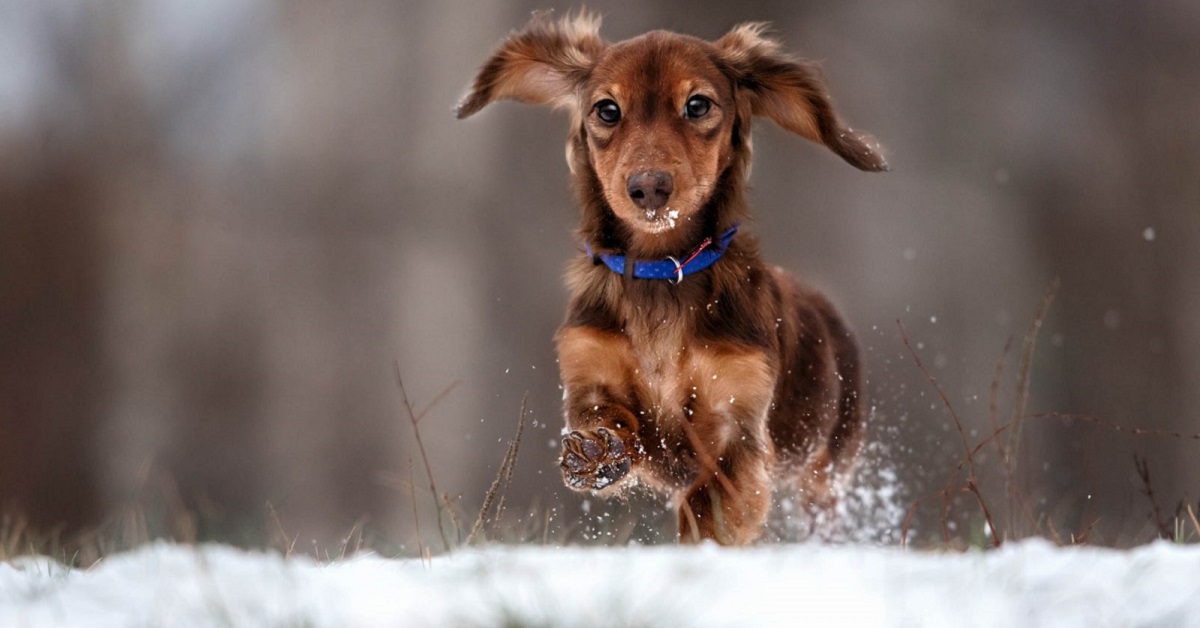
[739, 377]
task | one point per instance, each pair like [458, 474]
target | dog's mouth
[661, 220]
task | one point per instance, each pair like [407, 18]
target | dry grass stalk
[994, 403]
[1082, 537]
[1001, 429]
[511, 457]
[414, 418]
[972, 479]
[287, 542]
[488, 497]
[1022, 399]
[1142, 464]
[1030, 345]
[1008, 455]
[416, 515]
[1055, 535]
[503, 476]
[356, 531]
[453, 512]
[437, 398]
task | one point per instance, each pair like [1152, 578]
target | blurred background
[222, 223]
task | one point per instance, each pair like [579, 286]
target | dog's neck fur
[642, 308]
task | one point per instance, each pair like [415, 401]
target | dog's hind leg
[850, 429]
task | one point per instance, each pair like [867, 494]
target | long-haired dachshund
[689, 365]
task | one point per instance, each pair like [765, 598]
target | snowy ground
[1026, 584]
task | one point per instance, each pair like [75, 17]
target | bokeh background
[223, 222]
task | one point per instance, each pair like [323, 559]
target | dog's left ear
[793, 94]
[541, 64]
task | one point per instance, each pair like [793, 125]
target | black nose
[650, 190]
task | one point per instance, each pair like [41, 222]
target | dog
[688, 365]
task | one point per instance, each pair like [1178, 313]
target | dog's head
[661, 121]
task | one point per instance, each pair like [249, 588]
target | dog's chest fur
[680, 370]
[662, 358]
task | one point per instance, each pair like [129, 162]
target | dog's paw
[595, 459]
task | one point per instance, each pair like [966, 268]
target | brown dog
[688, 364]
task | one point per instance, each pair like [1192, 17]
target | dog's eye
[697, 107]
[608, 111]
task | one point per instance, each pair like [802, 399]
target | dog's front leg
[729, 501]
[730, 497]
[600, 394]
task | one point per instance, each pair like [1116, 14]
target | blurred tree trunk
[52, 367]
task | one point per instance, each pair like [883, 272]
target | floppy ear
[541, 64]
[792, 93]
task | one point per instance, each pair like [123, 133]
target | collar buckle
[678, 278]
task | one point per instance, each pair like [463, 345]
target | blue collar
[669, 269]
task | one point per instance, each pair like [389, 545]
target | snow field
[1031, 583]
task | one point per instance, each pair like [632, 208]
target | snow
[1026, 583]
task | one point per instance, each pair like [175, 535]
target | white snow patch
[1028, 583]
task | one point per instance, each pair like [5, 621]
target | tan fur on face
[655, 135]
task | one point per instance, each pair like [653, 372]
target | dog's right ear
[541, 64]
[792, 93]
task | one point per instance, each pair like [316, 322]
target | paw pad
[594, 459]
